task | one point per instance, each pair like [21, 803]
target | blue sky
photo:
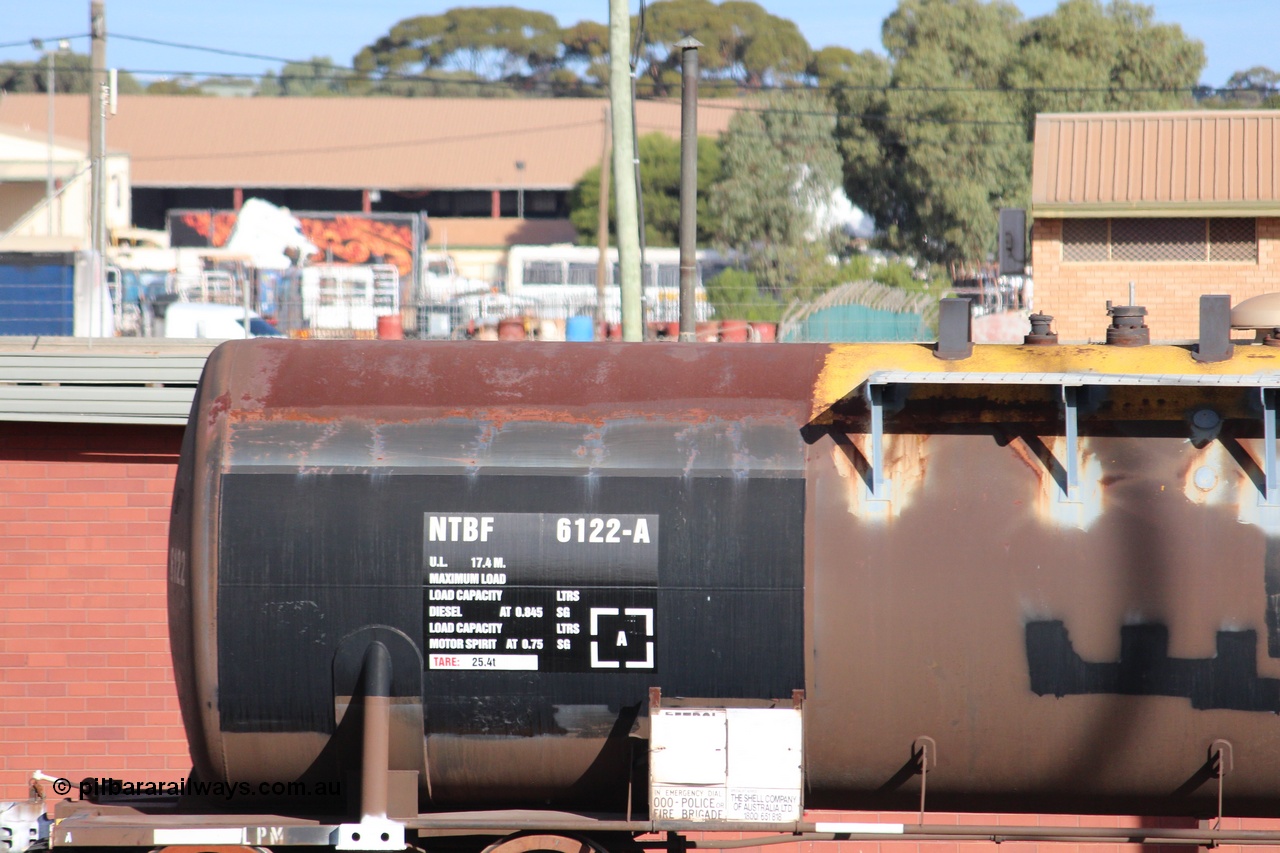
[1237, 34]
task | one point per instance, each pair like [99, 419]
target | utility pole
[97, 149]
[602, 230]
[688, 186]
[624, 148]
[520, 194]
[63, 46]
[97, 153]
[48, 183]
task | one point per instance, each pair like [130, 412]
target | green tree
[1253, 88]
[490, 43]
[586, 44]
[316, 77]
[24, 77]
[947, 140]
[175, 86]
[1086, 57]
[780, 164]
[660, 190]
[744, 45]
[735, 295]
[71, 76]
[856, 82]
[954, 138]
[1259, 78]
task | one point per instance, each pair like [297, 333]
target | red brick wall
[1076, 293]
[87, 686]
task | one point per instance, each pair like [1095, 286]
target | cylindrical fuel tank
[1058, 563]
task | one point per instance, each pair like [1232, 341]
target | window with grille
[1175, 240]
[582, 273]
[543, 272]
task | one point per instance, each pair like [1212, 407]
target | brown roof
[355, 143]
[458, 233]
[1200, 163]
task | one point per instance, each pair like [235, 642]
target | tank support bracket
[1071, 417]
[1223, 758]
[881, 488]
[374, 831]
[925, 750]
[1271, 482]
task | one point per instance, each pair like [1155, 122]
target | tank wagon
[472, 579]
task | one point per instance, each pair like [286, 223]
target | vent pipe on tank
[1215, 330]
[688, 186]
[955, 330]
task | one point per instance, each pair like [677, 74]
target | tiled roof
[355, 143]
[1207, 162]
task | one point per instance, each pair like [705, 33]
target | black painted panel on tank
[540, 592]
[305, 559]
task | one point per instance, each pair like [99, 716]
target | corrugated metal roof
[356, 143]
[112, 380]
[1195, 163]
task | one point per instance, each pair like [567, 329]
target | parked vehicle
[562, 280]
[336, 300]
[206, 320]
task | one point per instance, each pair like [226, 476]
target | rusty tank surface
[1057, 566]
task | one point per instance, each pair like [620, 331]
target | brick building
[1179, 203]
[86, 478]
[451, 158]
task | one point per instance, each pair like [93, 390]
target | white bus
[561, 279]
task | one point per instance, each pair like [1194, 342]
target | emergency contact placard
[540, 591]
[736, 764]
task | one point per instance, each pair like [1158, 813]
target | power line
[526, 84]
[47, 39]
[202, 48]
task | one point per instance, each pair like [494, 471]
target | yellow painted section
[847, 366]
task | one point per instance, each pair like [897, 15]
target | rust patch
[500, 418]
[1045, 457]
[219, 407]
[372, 375]
[905, 464]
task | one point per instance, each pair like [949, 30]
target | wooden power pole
[602, 230]
[624, 156]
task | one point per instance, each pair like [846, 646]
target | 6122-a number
[603, 531]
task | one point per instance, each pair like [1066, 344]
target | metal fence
[336, 301]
